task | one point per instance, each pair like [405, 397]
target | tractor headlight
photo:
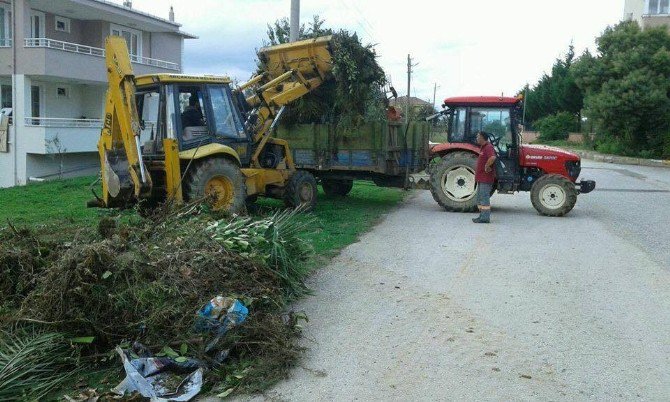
[574, 168]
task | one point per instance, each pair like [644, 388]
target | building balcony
[48, 135]
[49, 57]
[62, 123]
[95, 51]
[5, 42]
[655, 20]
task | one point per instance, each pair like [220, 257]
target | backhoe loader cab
[169, 137]
[195, 113]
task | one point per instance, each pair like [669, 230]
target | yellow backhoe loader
[170, 137]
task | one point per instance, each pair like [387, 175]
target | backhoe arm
[124, 176]
[289, 72]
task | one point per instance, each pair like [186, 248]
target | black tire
[553, 195]
[464, 197]
[251, 205]
[209, 178]
[301, 191]
[337, 187]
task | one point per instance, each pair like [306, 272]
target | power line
[358, 20]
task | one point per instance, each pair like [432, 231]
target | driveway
[429, 306]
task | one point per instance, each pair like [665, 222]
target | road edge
[621, 160]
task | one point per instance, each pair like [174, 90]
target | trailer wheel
[452, 182]
[301, 191]
[220, 182]
[553, 195]
[337, 187]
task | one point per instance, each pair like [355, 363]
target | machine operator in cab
[485, 177]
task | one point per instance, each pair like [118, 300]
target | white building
[648, 13]
[53, 79]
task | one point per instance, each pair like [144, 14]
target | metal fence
[64, 123]
[95, 51]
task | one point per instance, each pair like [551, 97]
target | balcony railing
[95, 51]
[62, 123]
[5, 42]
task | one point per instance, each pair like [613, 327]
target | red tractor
[550, 174]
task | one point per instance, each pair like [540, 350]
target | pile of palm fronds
[144, 282]
[33, 363]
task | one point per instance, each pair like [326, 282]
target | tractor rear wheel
[553, 195]
[452, 182]
[301, 191]
[220, 182]
[337, 187]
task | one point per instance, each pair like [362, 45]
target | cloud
[466, 47]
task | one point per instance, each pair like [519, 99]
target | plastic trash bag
[161, 378]
[219, 316]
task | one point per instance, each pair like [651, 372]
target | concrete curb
[621, 160]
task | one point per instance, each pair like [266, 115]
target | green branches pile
[144, 281]
[354, 96]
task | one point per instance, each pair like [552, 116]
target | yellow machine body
[288, 72]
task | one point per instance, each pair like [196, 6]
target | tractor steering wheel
[495, 141]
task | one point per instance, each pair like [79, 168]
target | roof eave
[173, 25]
[187, 35]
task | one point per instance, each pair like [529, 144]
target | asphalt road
[429, 306]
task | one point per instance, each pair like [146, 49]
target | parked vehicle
[549, 174]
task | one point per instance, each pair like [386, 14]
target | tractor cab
[499, 117]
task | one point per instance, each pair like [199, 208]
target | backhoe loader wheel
[301, 191]
[220, 182]
[452, 182]
[337, 187]
[553, 195]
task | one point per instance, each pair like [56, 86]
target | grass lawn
[338, 221]
[61, 202]
[565, 144]
[61, 206]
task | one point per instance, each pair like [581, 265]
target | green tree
[280, 31]
[627, 86]
[555, 93]
[556, 127]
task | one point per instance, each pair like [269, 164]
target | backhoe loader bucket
[311, 58]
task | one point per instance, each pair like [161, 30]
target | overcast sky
[467, 47]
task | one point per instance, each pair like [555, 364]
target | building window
[5, 96]
[37, 24]
[62, 24]
[5, 25]
[63, 92]
[658, 7]
[133, 40]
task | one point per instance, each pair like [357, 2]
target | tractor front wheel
[219, 182]
[337, 187]
[452, 182]
[301, 191]
[553, 195]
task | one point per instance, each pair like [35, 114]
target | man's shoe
[477, 219]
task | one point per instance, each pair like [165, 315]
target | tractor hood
[546, 153]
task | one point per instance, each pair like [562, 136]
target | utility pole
[409, 85]
[525, 99]
[295, 20]
[435, 95]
